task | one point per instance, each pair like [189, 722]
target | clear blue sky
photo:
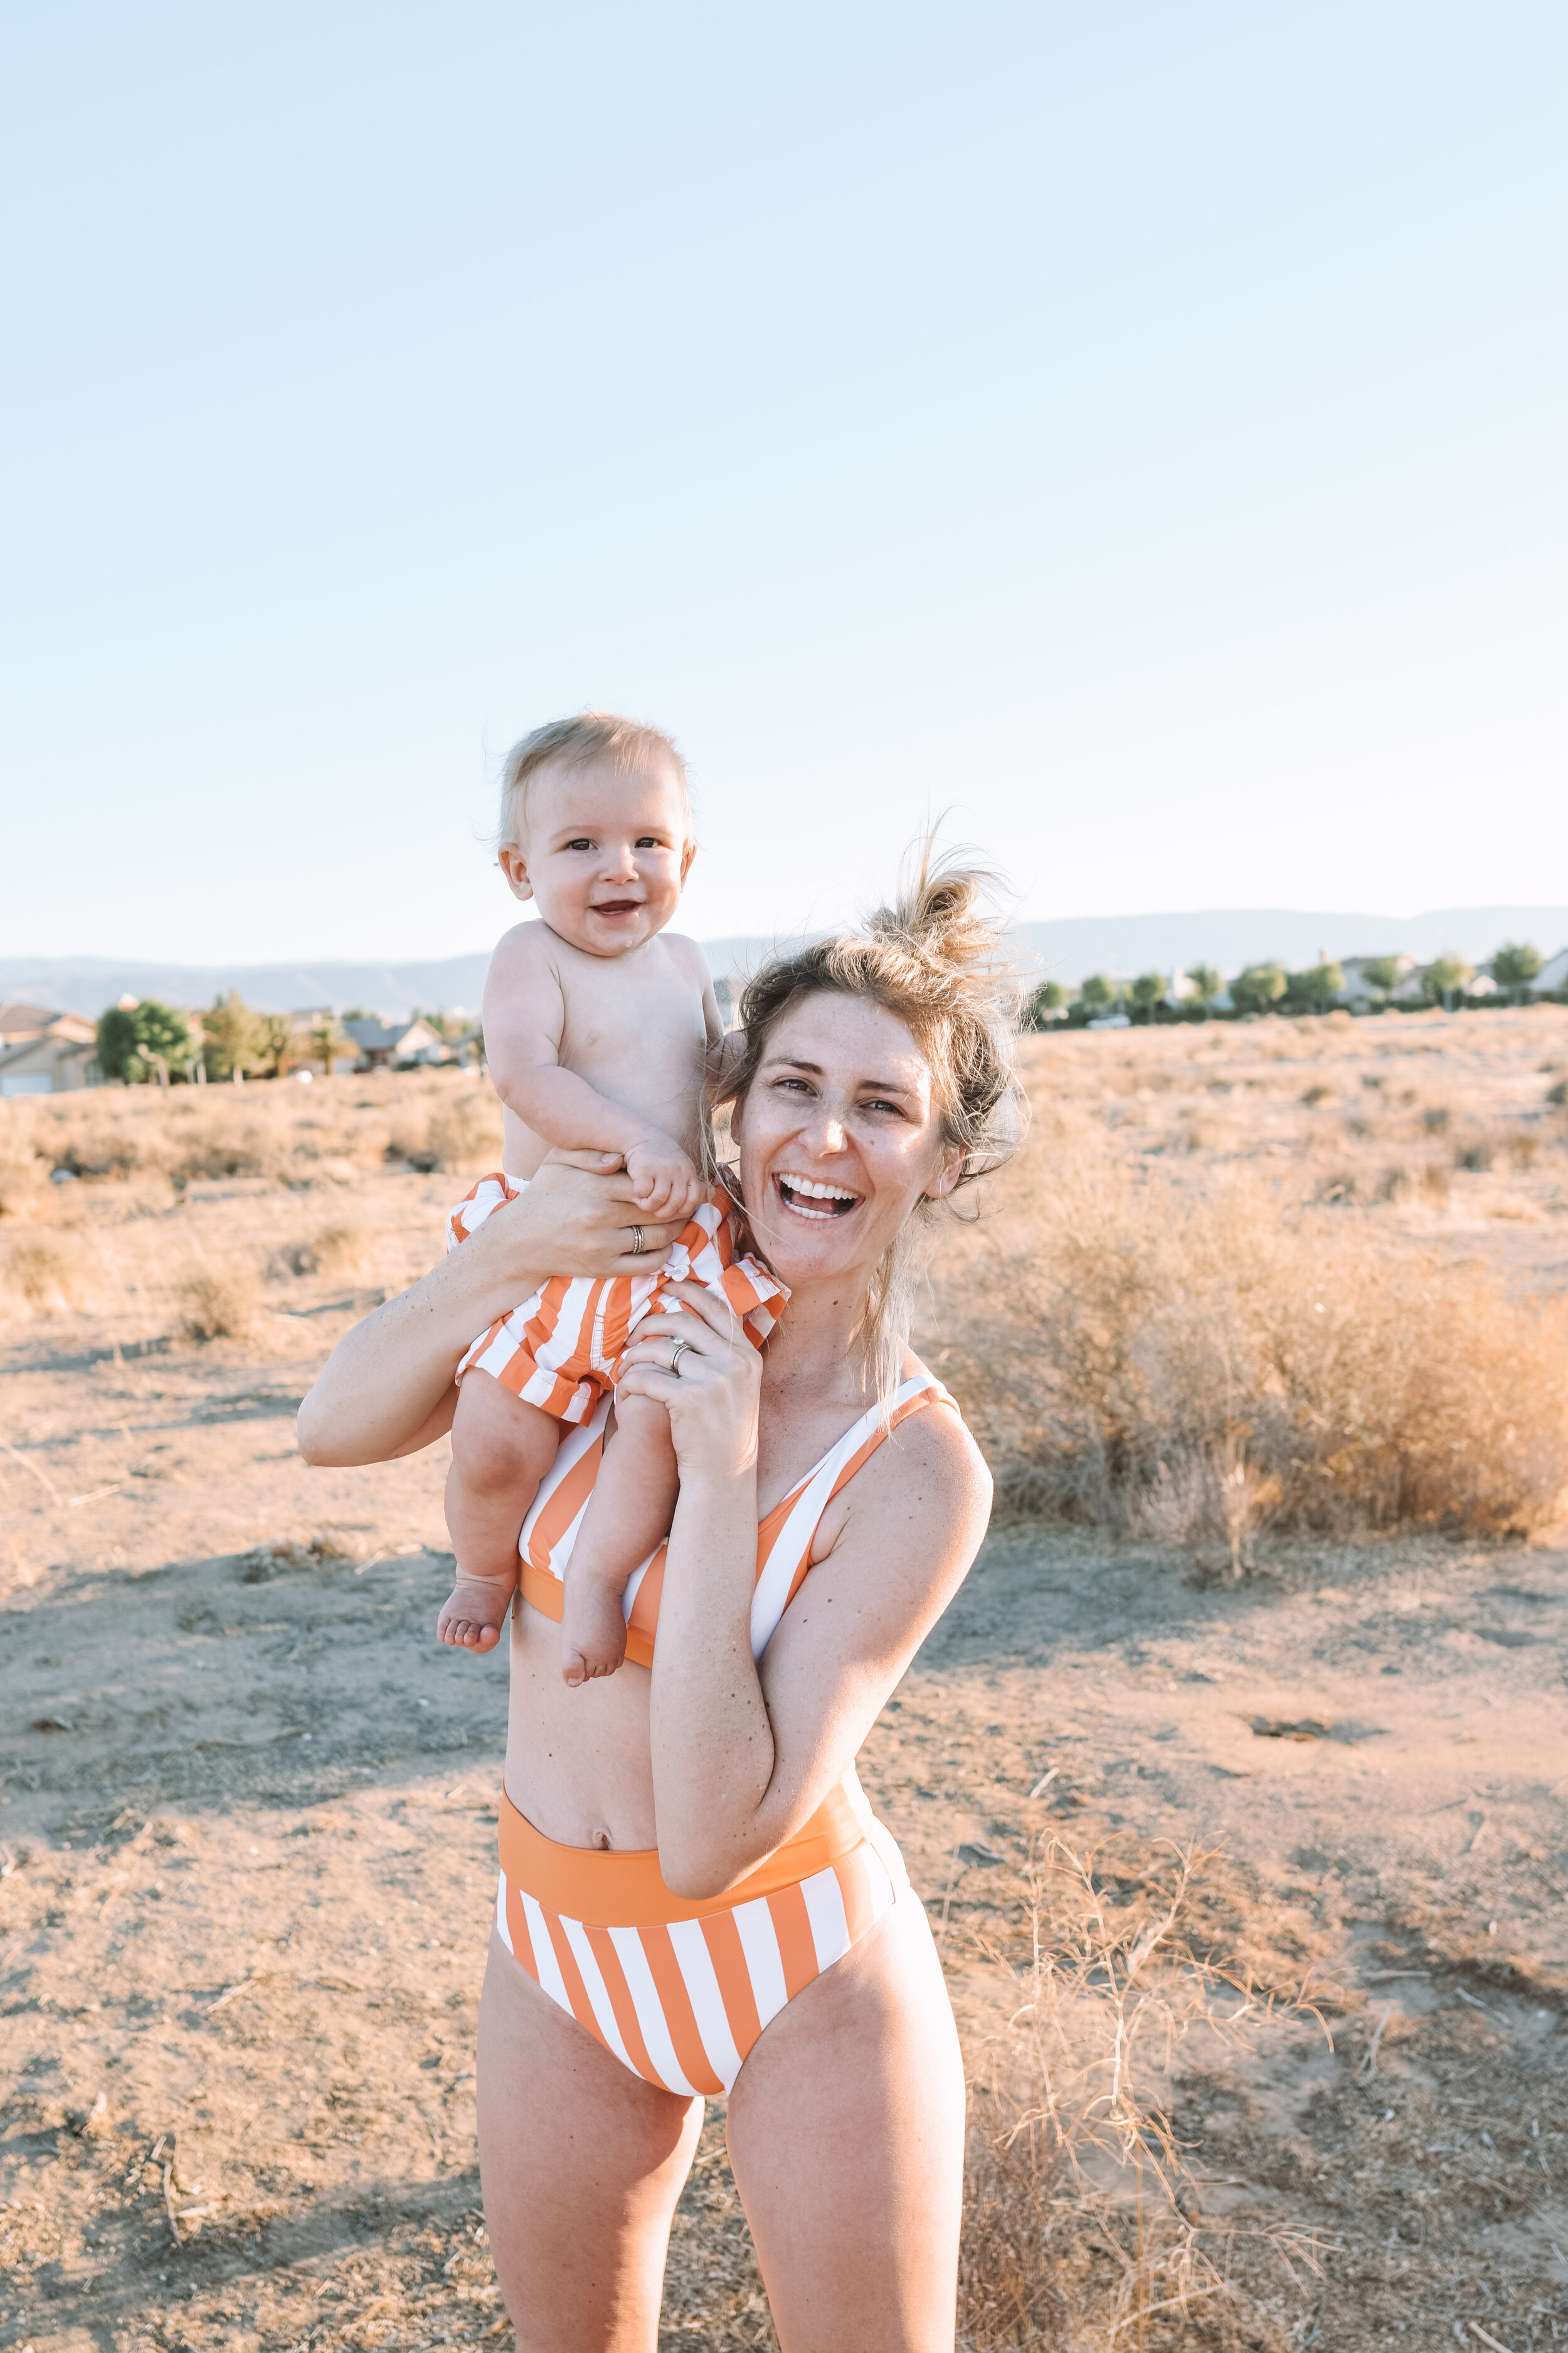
[1137, 428]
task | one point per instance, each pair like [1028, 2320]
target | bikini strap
[788, 1556]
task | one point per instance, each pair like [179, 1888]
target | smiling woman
[693, 1893]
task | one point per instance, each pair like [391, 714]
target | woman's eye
[897, 1109]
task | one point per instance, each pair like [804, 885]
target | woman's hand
[713, 1391]
[581, 1210]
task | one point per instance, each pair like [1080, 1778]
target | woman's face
[839, 1138]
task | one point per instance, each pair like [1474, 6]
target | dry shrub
[1207, 1363]
[1084, 2223]
[460, 1133]
[336, 1248]
[219, 1303]
[44, 1274]
[22, 1171]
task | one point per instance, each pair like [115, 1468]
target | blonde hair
[578, 743]
[934, 958]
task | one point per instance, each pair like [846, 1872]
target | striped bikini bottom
[679, 1991]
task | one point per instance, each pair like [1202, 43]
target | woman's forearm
[713, 1755]
[384, 1384]
[386, 1387]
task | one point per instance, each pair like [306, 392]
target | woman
[694, 1892]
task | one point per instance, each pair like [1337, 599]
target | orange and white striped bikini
[680, 1991]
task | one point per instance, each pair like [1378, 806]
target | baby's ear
[687, 855]
[511, 861]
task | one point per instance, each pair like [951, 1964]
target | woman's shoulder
[935, 1439]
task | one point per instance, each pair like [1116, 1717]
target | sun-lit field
[1232, 1781]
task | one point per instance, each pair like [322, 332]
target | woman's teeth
[796, 1191]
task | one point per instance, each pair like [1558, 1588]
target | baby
[602, 1032]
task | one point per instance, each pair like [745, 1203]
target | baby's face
[605, 855]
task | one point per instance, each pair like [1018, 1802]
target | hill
[1228, 937]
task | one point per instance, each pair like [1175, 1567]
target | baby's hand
[663, 1179]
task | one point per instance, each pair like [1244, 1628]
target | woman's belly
[578, 1763]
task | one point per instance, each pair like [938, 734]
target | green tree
[1047, 999]
[1205, 983]
[1258, 987]
[1097, 993]
[1515, 965]
[1316, 987]
[1444, 978]
[1383, 974]
[229, 1036]
[117, 1045]
[162, 1033]
[1149, 990]
[274, 1042]
[133, 1040]
[327, 1042]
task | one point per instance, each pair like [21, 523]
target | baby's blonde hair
[934, 958]
[577, 743]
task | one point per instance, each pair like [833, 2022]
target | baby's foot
[592, 1629]
[475, 1611]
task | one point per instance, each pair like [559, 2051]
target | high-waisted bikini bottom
[680, 1991]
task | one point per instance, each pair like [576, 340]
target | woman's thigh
[581, 2162]
[847, 2139]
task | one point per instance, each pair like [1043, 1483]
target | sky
[1133, 434]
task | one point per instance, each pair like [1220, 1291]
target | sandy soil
[247, 1812]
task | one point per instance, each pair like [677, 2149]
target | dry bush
[1207, 1363]
[44, 1274]
[336, 1248]
[1084, 2223]
[22, 1171]
[460, 1133]
[219, 1303]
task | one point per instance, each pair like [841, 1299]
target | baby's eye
[648, 841]
[582, 843]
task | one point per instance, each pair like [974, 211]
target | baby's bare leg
[501, 1449]
[632, 1505]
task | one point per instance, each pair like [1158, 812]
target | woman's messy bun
[933, 957]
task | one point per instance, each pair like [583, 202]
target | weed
[1139, 1354]
[218, 1303]
[1085, 2221]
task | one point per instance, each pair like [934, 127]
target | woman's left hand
[713, 1395]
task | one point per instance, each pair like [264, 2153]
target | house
[380, 1045]
[21, 1024]
[1553, 976]
[48, 1064]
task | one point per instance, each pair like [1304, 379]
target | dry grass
[1085, 2223]
[219, 1303]
[1201, 1363]
[279, 1130]
[46, 1272]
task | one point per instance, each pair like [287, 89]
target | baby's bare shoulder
[525, 950]
[687, 958]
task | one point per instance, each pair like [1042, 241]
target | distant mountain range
[1118, 946]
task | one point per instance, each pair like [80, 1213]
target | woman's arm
[743, 1756]
[386, 1389]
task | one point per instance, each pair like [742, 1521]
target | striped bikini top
[783, 1537]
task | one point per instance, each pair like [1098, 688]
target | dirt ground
[247, 1806]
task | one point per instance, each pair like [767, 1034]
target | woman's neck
[815, 1342]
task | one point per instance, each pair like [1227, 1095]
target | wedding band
[676, 1349]
[636, 1242]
